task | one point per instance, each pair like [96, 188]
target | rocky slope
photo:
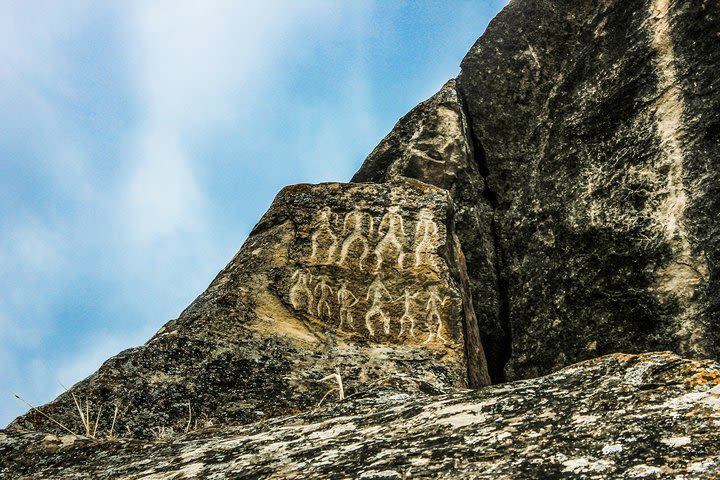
[620, 416]
[554, 203]
[362, 280]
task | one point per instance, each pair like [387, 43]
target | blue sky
[140, 141]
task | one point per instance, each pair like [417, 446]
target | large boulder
[556, 202]
[363, 281]
[596, 125]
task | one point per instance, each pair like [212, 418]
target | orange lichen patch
[297, 188]
[624, 357]
[426, 187]
[705, 376]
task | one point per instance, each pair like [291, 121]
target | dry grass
[340, 389]
[90, 427]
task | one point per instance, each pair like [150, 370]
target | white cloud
[200, 66]
[195, 59]
[162, 196]
[146, 228]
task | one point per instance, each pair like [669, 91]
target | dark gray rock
[366, 281]
[621, 416]
[596, 123]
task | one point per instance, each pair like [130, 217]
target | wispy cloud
[130, 207]
[162, 197]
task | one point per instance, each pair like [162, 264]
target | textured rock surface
[432, 144]
[557, 202]
[597, 126]
[363, 280]
[621, 416]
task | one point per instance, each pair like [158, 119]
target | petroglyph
[427, 239]
[346, 300]
[394, 229]
[432, 308]
[380, 296]
[356, 223]
[323, 235]
[325, 293]
[395, 308]
[407, 315]
[301, 290]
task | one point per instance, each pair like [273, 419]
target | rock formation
[363, 280]
[620, 416]
[558, 201]
[597, 125]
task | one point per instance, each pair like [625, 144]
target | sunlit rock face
[433, 144]
[362, 280]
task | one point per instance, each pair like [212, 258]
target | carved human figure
[323, 234]
[346, 300]
[354, 227]
[427, 239]
[325, 292]
[380, 296]
[394, 229]
[301, 290]
[407, 315]
[432, 310]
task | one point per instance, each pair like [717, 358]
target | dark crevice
[503, 289]
[502, 352]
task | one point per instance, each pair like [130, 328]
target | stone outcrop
[597, 125]
[365, 281]
[621, 416]
[432, 144]
[556, 202]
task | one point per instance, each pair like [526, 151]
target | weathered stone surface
[620, 416]
[362, 280]
[432, 144]
[597, 126]
[558, 201]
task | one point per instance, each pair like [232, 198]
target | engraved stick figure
[325, 294]
[407, 314]
[392, 223]
[300, 289]
[433, 304]
[346, 300]
[426, 239]
[323, 233]
[378, 292]
[356, 221]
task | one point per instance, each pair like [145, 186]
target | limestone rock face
[597, 125]
[361, 280]
[619, 416]
[432, 144]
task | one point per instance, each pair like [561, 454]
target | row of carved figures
[358, 231]
[315, 295]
